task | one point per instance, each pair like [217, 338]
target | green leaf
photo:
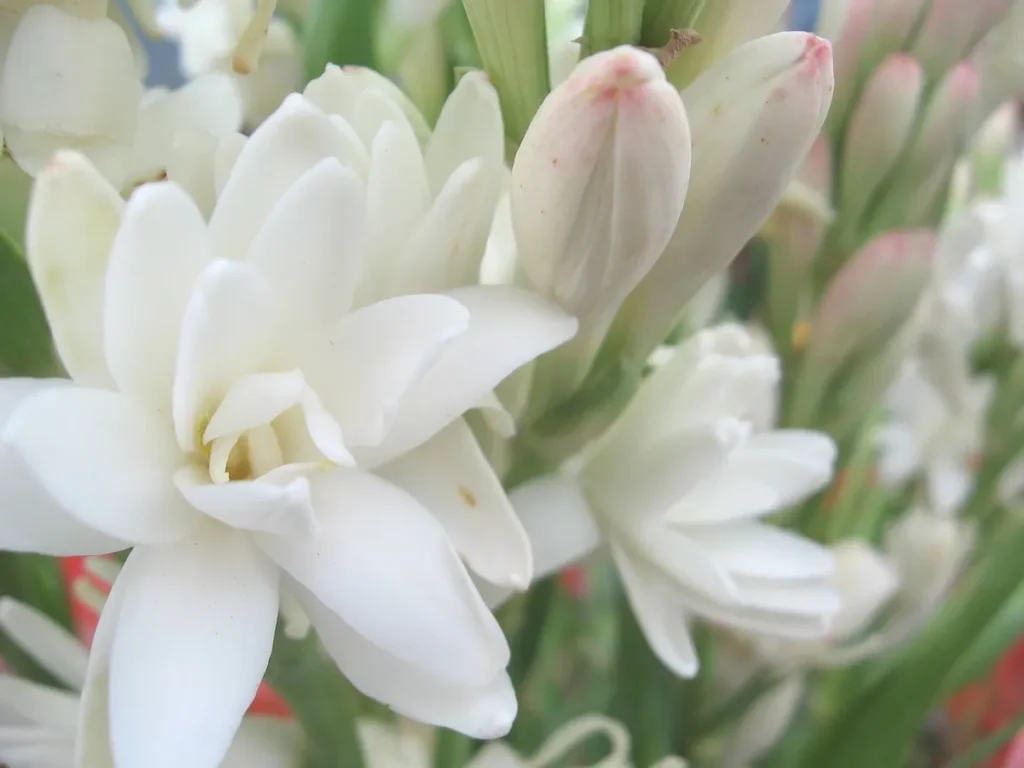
[986, 748]
[340, 32]
[611, 23]
[26, 347]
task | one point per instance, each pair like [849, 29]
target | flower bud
[866, 305]
[598, 183]
[951, 30]
[849, 43]
[879, 128]
[892, 24]
[941, 132]
[754, 115]
[865, 581]
[764, 723]
[724, 25]
[929, 552]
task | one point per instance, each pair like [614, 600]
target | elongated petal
[754, 115]
[281, 507]
[31, 518]
[193, 638]
[294, 139]
[73, 218]
[367, 363]
[879, 129]
[508, 328]
[682, 561]
[559, 522]
[484, 711]
[157, 256]
[379, 548]
[70, 76]
[812, 599]
[105, 459]
[659, 615]
[451, 477]
[865, 580]
[763, 551]
[599, 181]
[51, 708]
[266, 742]
[311, 247]
[230, 328]
[57, 650]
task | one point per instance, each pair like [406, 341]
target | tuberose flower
[232, 418]
[676, 488]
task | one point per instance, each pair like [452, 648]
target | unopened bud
[879, 128]
[764, 723]
[754, 116]
[951, 30]
[849, 44]
[866, 581]
[598, 184]
[929, 552]
[893, 23]
[866, 305]
[724, 25]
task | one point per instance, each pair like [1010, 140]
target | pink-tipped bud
[879, 128]
[849, 42]
[952, 29]
[599, 181]
[755, 115]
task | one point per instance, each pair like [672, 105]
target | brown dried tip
[679, 40]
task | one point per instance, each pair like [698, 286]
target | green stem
[452, 749]
[341, 32]
[611, 23]
[660, 17]
[539, 600]
[642, 691]
[323, 702]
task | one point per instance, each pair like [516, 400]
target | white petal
[266, 504]
[193, 638]
[451, 477]
[659, 615]
[191, 166]
[105, 459]
[682, 560]
[257, 400]
[230, 329]
[753, 549]
[558, 521]
[484, 711]
[508, 328]
[311, 247]
[72, 221]
[802, 599]
[159, 252]
[470, 126]
[637, 481]
[58, 651]
[294, 139]
[69, 76]
[386, 567]
[364, 366]
[31, 519]
[50, 707]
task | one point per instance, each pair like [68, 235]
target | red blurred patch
[575, 581]
[267, 701]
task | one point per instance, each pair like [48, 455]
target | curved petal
[367, 362]
[157, 256]
[312, 246]
[283, 507]
[807, 598]
[659, 614]
[763, 551]
[230, 329]
[105, 459]
[292, 140]
[31, 519]
[266, 742]
[193, 637]
[508, 328]
[484, 711]
[451, 477]
[682, 561]
[558, 521]
[386, 567]
[73, 218]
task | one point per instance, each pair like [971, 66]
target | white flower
[38, 723]
[676, 487]
[929, 552]
[208, 33]
[234, 419]
[68, 79]
[924, 432]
